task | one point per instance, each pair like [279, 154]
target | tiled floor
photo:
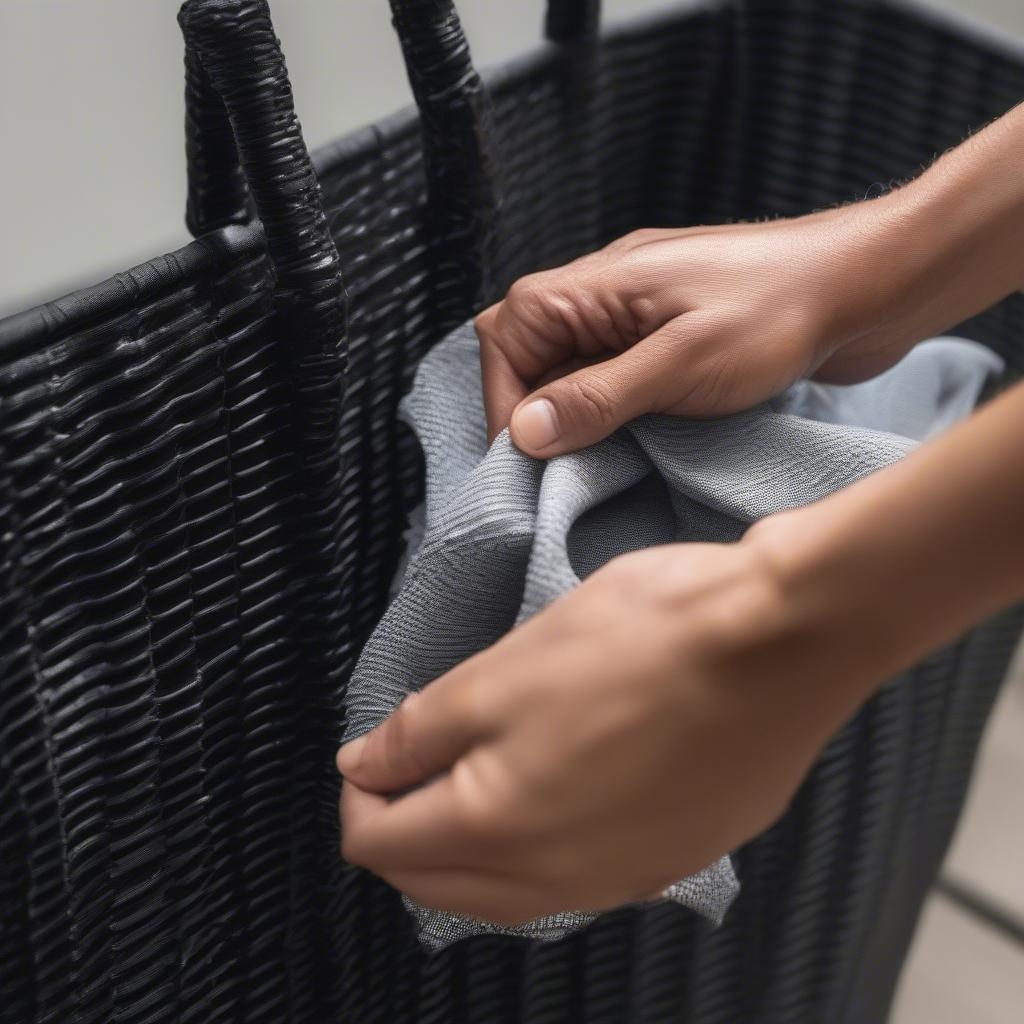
[961, 969]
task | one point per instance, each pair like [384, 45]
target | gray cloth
[501, 534]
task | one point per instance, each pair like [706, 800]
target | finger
[455, 875]
[423, 736]
[520, 339]
[357, 805]
[456, 886]
[546, 319]
[494, 898]
[588, 404]
[503, 387]
[418, 831]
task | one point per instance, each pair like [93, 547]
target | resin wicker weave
[203, 483]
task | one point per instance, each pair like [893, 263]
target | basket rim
[161, 273]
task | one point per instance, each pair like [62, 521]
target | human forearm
[703, 677]
[931, 254]
[703, 321]
[910, 557]
[913, 556]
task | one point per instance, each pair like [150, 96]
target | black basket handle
[436, 56]
[244, 146]
[572, 21]
[458, 153]
[244, 141]
[458, 141]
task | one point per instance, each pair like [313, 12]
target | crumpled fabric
[500, 535]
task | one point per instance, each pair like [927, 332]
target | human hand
[665, 710]
[697, 321]
[707, 321]
[641, 726]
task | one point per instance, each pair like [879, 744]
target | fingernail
[350, 754]
[536, 425]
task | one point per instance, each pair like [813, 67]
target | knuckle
[537, 307]
[481, 803]
[485, 318]
[475, 808]
[642, 312]
[626, 579]
[484, 324]
[640, 236]
[528, 295]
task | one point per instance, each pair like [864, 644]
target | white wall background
[92, 174]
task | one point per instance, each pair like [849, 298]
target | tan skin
[567, 764]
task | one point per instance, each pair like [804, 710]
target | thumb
[422, 737]
[588, 404]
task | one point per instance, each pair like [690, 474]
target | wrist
[955, 247]
[945, 246]
[905, 560]
[901, 254]
[925, 257]
[828, 608]
[868, 294]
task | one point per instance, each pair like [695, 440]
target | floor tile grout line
[990, 912]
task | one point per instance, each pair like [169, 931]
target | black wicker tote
[203, 486]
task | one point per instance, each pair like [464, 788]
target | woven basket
[203, 486]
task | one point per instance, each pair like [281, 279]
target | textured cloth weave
[501, 535]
